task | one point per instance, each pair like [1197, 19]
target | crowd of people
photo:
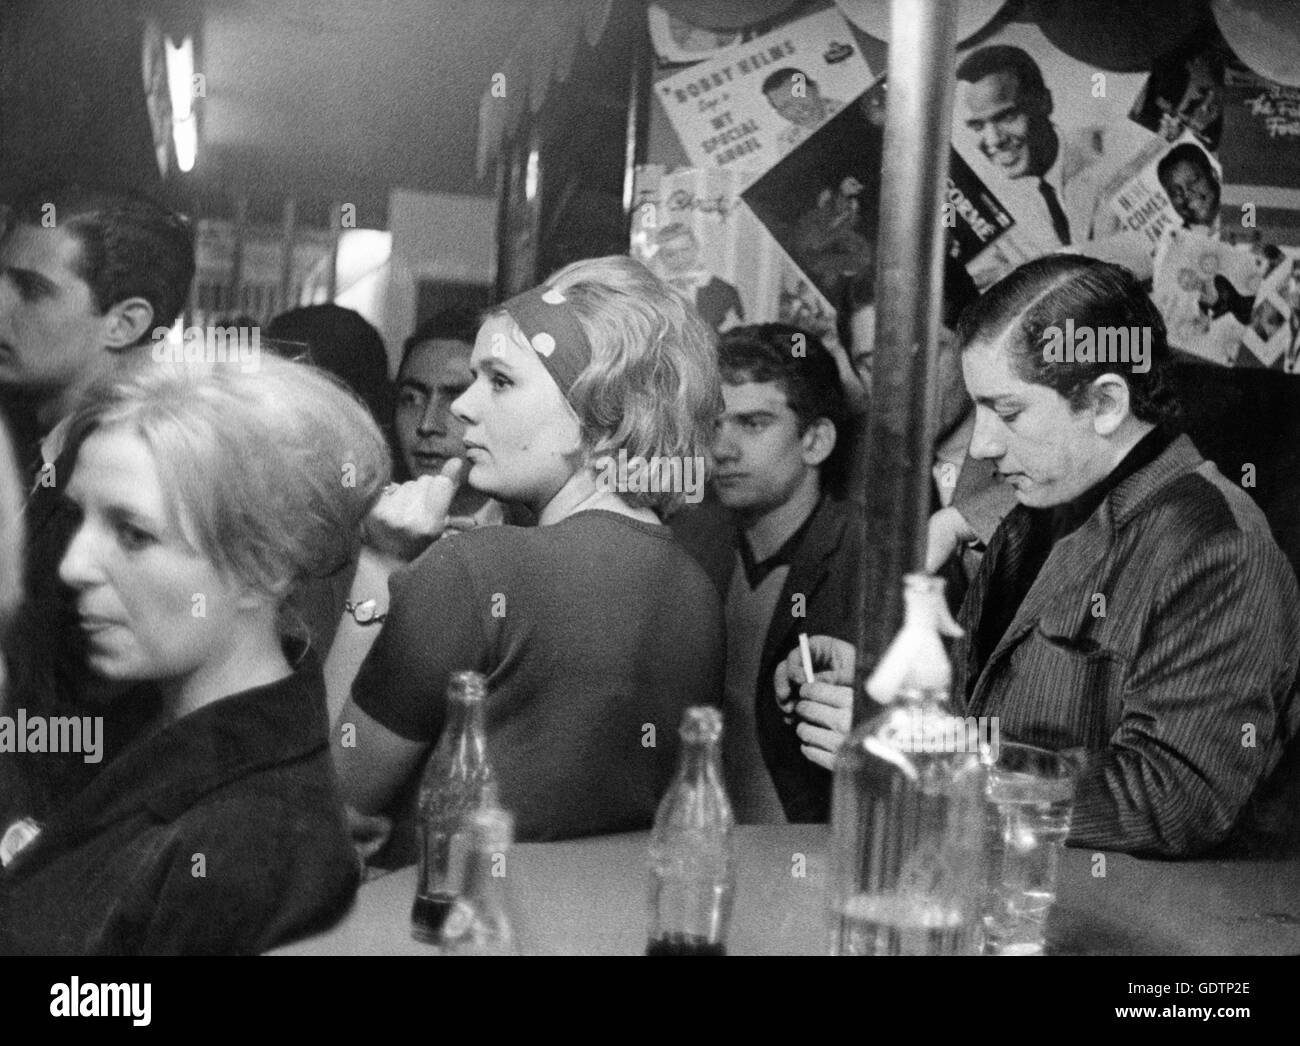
[260, 579]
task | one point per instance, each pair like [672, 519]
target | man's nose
[79, 568]
[993, 136]
[725, 447]
[8, 297]
[433, 422]
[986, 441]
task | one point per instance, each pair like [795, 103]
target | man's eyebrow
[1010, 107]
[1004, 399]
[750, 415]
[30, 277]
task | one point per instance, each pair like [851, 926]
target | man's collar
[1179, 457]
[1068, 517]
[755, 571]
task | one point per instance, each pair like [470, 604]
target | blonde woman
[206, 494]
[594, 628]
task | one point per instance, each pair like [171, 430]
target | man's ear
[1108, 398]
[818, 441]
[126, 323]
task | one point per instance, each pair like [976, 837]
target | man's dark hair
[1044, 293]
[1002, 58]
[770, 352]
[1187, 152]
[343, 342]
[131, 246]
[458, 323]
[784, 76]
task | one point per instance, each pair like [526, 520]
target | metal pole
[909, 285]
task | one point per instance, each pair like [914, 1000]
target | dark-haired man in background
[785, 562]
[86, 276]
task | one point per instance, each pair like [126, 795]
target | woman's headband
[552, 329]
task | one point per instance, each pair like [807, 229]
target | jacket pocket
[1057, 692]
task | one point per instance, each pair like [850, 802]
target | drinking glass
[1030, 794]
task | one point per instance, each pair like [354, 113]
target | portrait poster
[1206, 292]
[729, 111]
[1184, 92]
[691, 227]
[822, 202]
[1074, 136]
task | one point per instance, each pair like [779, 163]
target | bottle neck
[699, 760]
[464, 741]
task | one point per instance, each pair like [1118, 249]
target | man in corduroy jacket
[1134, 604]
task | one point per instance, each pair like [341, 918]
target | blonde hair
[652, 387]
[268, 473]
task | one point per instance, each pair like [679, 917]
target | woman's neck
[253, 659]
[579, 494]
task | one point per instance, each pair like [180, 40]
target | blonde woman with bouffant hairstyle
[206, 494]
[589, 625]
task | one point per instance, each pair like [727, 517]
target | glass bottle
[457, 782]
[907, 809]
[692, 851]
[480, 921]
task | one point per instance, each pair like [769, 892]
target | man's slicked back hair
[131, 246]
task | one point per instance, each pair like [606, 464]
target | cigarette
[806, 652]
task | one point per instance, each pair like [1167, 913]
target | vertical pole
[287, 233]
[909, 284]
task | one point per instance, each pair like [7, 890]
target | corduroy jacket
[1163, 637]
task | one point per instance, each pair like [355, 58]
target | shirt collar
[1065, 519]
[756, 572]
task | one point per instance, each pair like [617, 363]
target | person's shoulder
[1199, 515]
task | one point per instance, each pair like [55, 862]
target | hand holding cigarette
[822, 667]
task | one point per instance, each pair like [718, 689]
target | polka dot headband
[552, 329]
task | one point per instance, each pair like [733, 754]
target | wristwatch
[363, 613]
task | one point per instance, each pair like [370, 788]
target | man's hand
[948, 529]
[408, 518]
[824, 704]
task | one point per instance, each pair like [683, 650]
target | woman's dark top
[594, 634]
[222, 833]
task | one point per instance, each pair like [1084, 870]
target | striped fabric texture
[1163, 637]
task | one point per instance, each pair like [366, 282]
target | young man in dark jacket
[782, 546]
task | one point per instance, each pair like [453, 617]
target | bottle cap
[466, 686]
[701, 723]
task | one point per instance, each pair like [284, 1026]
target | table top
[588, 897]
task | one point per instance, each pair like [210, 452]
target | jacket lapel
[808, 570]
